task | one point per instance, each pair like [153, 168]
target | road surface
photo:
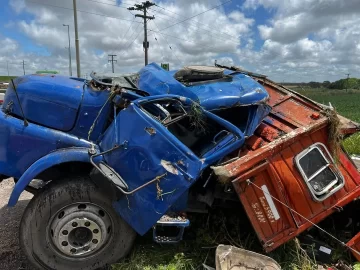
[11, 257]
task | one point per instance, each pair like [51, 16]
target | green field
[6, 78]
[213, 229]
[347, 103]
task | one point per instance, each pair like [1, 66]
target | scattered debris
[231, 258]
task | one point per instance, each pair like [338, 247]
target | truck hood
[49, 100]
[239, 89]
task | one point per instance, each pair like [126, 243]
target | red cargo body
[268, 161]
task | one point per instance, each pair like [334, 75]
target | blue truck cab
[108, 158]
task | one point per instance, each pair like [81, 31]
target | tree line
[350, 83]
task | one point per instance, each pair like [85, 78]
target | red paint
[267, 159]
[355, 244]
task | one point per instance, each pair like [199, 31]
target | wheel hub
[80, 229]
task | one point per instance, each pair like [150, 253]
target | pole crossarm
[112, 61]
[143, 7]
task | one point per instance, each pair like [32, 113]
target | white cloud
[309, 39]
[303, 40]
[8, 45]
[195, 41]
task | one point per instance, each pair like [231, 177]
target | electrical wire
[308, 220]
[166, 41]
[134, 39]
[83, 11]
[212, 32]
[189, 18]
[108, 4]
[207, 28]
[129, 27]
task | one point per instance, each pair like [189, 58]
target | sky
[287, 40]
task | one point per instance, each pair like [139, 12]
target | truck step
[170, 229]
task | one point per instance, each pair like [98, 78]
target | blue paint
[61, 111]
[241, 90]
[54, 158]
[89, 108]
[141, 162]
[59, 102]
[157, 81]
[49, 100]
[22, 145]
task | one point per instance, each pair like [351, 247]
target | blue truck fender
[77, 154]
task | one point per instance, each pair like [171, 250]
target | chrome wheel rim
[80, 230]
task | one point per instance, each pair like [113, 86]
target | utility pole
[23, 64]
[76, 41]
[143, 7]
[112, 61]
[347, 81]
[70, 68]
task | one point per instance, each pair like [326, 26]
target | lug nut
[73, 250]
[95, 231]
[95, 241]
[74, 224]
[65, 232]
[87, 223]
[64, 243]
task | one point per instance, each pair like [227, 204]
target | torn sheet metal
[233, 258]
[142, 156]
[239, 89]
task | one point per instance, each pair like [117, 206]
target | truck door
[168, 138]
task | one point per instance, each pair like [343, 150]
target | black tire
[37, 234]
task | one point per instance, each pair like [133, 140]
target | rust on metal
[267, 160]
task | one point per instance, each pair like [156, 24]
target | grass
[202, 238]
[6, 78]
[347, 103]
[210, 230]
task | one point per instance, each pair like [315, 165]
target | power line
[83, 11]
[77, 49]
[144, 7]
[347, 81]
[176, 37]
[108, 4]
[112, 61]
[206, 28]
[166, 41]
[23, 64]
[214, 7]
[198, 28]
[128, 29]
[128, 46]
[133, 40]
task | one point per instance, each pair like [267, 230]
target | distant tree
[326, 84]
[351, 83]
[315, 84]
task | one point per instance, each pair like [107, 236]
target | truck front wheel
[70, 224]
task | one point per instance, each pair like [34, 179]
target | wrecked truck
[116, 156]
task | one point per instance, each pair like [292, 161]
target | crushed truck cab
[113, 156]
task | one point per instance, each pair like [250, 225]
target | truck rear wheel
[70, 224]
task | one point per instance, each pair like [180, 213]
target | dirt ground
[11, 257]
